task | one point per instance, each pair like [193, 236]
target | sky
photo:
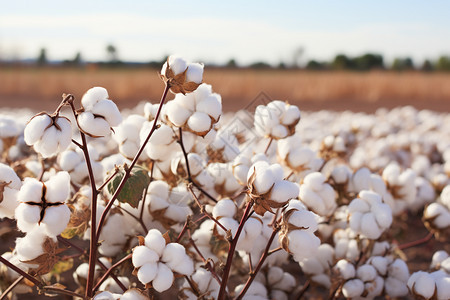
[216, 31]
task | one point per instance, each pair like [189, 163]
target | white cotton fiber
[176, 113]
[92, 96]
[353, 288]
[283, 191]
[346, 269]
[108, 110]
[56, 219]
[194, 73]
[147, 272]
[224, 208]
[199, 122]
[58, 187]
[92, 125]
[164, 278]
[35, 128]
[27, 216]
[155, 241]
[143, 255]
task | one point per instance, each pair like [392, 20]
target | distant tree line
[365, 62]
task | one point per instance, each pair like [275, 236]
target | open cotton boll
[194, 73]
[438, 214]
[346, 269]
[35, 128]
[366, 273]
[304, 219]
[133, 294]
[353, 288]
[164, 278]
[284, 190]
[302, 244]
[177, 64]
[230, 224]
[422, 284]
[31, 190]
[30, 246]
[224, 208]
[68, 160]
[173, 254]
[95, 126]
[211, 105]
[155, 241]
[438, 258]
[92, 96]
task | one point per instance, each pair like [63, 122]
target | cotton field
[179, 199]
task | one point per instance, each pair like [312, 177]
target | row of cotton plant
[177, 199]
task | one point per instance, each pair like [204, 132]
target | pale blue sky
[215, 31]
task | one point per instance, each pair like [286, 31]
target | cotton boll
[177, 114]
[177, 64]
[155, 241]
[395, 287]
[68, 160]
[291, 115]
[366, 273]
[30, 246]
[58, 187]
[164, 278]
[185, 266]
[422, 284]
[353, 288]
[48, 144]
[302, 244]
[173, 254]
[229, 223]
[439, 215]
[346, 269]
[194, 73]
[35, 128]
[92, 96]
[304, 219]
[147, 272]
[199, 122]
[224, 208]
[133, 295]
[438, 258]
[284, 190]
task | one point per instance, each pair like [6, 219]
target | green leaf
[132, 191]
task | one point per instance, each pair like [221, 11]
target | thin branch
[260, 264]
[20, 271]
[108, 273]
[185, 228]
[61, 291]
[11, 287]
[268, 145]
[116, 170]
[77, 144]
[232, 248]
[203, 210]
[304, 289]
[421, 241]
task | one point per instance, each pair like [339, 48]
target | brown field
[41, 89]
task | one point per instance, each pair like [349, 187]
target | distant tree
[112, 53]
[443, 63]
[368, 61]
[231, 63]
[342, 62]
[315, 65]
[77, 59]
[281, 65]
[427, 66]
[260, 65]
[298, 53]
[402, 64]
[42, 57]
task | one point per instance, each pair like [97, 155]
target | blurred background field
[41, 88]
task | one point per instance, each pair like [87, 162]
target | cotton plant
[181, 76]
[437, 214]
[156, 261]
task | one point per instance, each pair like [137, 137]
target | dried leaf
[132, 191]
[78, 223]
[48, 259]
[62, 266]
